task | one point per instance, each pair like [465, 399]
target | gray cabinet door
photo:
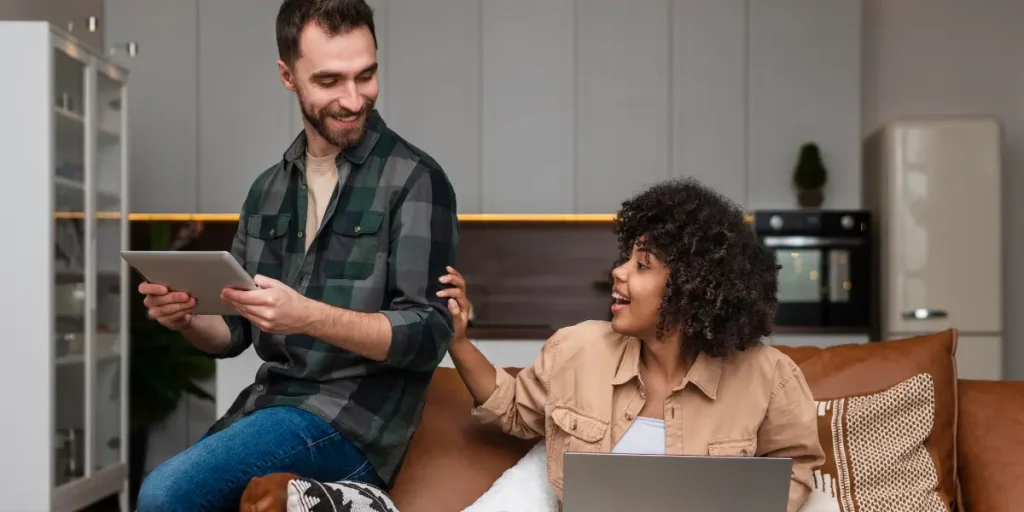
[527, 106]
[623, 68]
[432, 85]
[804, 86]
[245, 114]
[162, 100]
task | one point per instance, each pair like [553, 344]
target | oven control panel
[856, 223]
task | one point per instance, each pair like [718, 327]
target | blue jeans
[213, 473]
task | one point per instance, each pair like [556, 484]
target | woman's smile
[621, 301]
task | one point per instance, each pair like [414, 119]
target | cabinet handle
[924, 314]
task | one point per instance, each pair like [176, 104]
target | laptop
[611, 482]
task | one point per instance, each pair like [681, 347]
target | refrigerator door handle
[924, 314]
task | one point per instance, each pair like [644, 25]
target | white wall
[926, 57]
[595, 99]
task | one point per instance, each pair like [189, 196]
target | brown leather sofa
[453, 459]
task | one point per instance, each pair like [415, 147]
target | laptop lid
[608, 482]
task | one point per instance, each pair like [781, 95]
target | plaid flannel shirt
[388, 233]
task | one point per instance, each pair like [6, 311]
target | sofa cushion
[991, 440]
[453, 458]
[308, 495]
[862, 369]
[523, 488]
[875, 454]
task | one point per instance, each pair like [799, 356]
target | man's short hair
[333, 16]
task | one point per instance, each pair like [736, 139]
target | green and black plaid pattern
[388, 233]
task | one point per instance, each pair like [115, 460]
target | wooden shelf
[598, 218]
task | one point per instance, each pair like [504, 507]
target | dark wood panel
[537, 274]
[526, 279]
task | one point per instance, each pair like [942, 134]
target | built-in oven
[826, 259]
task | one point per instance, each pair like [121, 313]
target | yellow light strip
[465, 217]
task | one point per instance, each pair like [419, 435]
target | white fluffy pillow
[522, 488]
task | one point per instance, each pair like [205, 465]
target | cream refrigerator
[934, 185]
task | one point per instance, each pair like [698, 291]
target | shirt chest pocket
[574, 432]
[354, 245]
[582, 432]
[264, 250]
[733, 447]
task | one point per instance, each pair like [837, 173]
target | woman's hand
[476, 371]
[458, 303]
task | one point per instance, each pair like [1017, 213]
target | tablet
[201, 274]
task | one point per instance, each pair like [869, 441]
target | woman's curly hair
[722, 283]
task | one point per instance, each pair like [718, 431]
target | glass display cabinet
[63, 137]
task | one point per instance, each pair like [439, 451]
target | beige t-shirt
[322, 175]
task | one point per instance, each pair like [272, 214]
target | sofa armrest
[990, 445]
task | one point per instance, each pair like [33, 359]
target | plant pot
[810, 198]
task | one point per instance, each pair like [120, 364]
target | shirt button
[574, 424]
[259, 387]
[300, 234]
[629, 416]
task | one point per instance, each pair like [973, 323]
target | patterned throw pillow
[305, 495]
[875, 454]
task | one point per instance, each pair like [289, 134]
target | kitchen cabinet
[709, 94]
[803, 83]
[602, 100]
[164, 115]
[623, 94]
[432, 86]
[245, 115]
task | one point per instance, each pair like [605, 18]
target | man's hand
[274, 308]
[458, 303]
[172, 309]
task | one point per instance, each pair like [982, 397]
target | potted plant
[809, 176]
[164, 366]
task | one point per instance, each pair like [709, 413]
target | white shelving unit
[63, 141]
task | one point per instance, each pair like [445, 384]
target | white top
[645, 436]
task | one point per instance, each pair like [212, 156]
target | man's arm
[226, 336]
[416, 328]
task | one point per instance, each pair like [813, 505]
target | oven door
[823, 281]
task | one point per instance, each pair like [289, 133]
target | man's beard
[341, 137]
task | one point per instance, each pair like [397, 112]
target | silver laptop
[608, 482]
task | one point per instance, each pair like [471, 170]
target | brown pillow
[875, 454]
[869, 368]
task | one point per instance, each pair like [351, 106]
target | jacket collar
[357, 154]
[705, 372]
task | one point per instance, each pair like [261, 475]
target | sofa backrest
[990, 442]
[453, 459]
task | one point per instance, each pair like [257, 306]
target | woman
[680, 369]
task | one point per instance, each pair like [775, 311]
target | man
[347, 236]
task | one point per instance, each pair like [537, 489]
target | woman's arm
[790, 429]
[516, 403]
